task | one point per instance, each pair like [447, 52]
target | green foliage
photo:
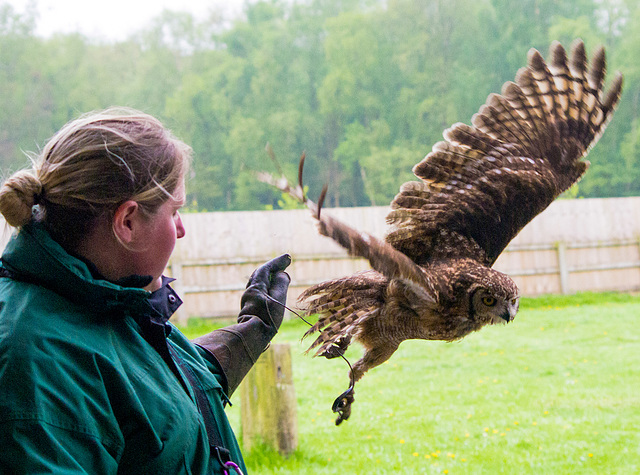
[365, 87]
[288, 202]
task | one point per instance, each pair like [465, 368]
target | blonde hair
[90, 167]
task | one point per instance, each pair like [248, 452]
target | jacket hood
[35, 257]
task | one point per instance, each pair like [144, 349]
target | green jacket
[83, 386]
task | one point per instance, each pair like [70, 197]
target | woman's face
[160, 232]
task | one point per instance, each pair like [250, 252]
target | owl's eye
[489, 301]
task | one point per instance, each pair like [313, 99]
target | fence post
[268, 402]
[561, 247]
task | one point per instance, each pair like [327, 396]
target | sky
[112, 19]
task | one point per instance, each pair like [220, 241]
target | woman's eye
[489, 301]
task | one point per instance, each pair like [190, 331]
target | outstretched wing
[383, 257]
[485, 182]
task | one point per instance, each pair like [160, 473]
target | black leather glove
[237, 347]
[268, 279]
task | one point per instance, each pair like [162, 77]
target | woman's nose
[180, 231]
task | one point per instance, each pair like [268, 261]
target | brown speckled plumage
[431, 277]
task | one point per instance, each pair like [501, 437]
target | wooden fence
[586, 244]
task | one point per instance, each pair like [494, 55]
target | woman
[93, 377]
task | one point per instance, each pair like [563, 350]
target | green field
[555, 392]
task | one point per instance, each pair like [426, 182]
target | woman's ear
[125, 220]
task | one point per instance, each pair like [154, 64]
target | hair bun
[17, 197]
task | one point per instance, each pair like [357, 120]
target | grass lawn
[555, 392]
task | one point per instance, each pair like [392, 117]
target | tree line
[365, 87]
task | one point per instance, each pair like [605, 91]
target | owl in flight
[431, 277]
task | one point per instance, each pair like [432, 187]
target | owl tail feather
[342, 306]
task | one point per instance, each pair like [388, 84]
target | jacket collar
[32, 253]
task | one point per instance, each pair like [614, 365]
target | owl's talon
[342, 405]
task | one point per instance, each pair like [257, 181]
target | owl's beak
[510, 313]
[507, 317]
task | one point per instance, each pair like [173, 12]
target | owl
[431, 277]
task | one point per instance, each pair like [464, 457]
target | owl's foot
[342, 405]
[337, 349]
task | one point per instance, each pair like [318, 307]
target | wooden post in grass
[268, 402]
[563, 268]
